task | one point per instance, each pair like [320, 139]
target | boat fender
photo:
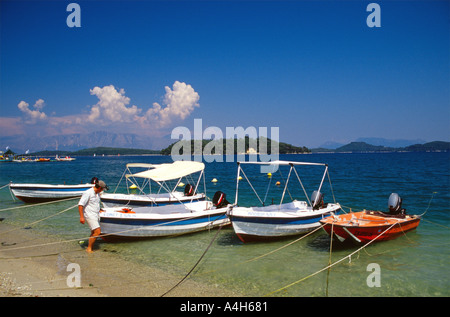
[188, 190]
[220, 199]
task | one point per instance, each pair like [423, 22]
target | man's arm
[80, 210]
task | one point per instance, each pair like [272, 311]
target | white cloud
[112, 112]
[179, 103]
[32, 116]
[112, 106]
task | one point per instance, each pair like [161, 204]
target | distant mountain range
[360, 147]
[96, 151]
[101, 139]
[79, 141]
[394, 143]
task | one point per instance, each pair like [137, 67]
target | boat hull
[116, 200]
[161, 221]
[250, 225]
[36, 193]
[363, 227]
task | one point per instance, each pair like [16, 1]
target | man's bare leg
[94, 234]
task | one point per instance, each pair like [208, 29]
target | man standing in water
[89, 208]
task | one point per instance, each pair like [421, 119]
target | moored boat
[64, 159]
[146, 222]
[368, 225]
[160, 174]
[179, 213]
[270, 222]
[42, 159]
[283, 219]
[35, 193]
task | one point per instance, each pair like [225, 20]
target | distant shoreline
[353, 147]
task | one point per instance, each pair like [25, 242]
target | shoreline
[34, 265]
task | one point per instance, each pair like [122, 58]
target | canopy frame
[292, 165]
[182, 169]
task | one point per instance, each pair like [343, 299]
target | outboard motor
[395, 204]
[316, 199]
[188, 190]
[220, 200]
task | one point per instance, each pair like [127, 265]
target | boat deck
[187, 208]
[368, 219]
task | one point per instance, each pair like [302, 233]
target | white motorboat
[158, 219]
[283, 219]
[35, 193]
[159, 173]
[169, 220]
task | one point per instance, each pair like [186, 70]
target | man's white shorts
[93, 222]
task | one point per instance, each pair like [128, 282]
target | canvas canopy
[169, 171]
[283, 163]
[144, 165]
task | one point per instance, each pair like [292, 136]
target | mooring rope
[429, 203]
[198, 261]
[210, 244]
[265, 254]
[331, 265]
[4, 186]
[40, 220]
[331, 248]
[39, 204]
[101, 235]
[435, 223]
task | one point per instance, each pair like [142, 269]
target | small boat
[42, 159]
[283, 219]
[35, 193]
[161, 174]
[64, 159]
[367, 225]
[169, 220]
[158, 219]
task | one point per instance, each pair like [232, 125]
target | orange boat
[365, 226]
[42, 159]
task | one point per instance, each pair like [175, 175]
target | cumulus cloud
[32, 116]
[179, 103]
[113, 112]
[112, 106]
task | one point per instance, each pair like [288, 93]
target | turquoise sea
[413, 265]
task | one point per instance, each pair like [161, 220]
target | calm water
[412, 265]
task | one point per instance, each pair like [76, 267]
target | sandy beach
[33, 265]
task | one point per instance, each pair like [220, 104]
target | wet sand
[33, 265]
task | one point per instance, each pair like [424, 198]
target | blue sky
[312, 68]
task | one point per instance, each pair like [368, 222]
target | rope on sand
[99, 236]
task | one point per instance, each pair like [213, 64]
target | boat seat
[383, 214]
